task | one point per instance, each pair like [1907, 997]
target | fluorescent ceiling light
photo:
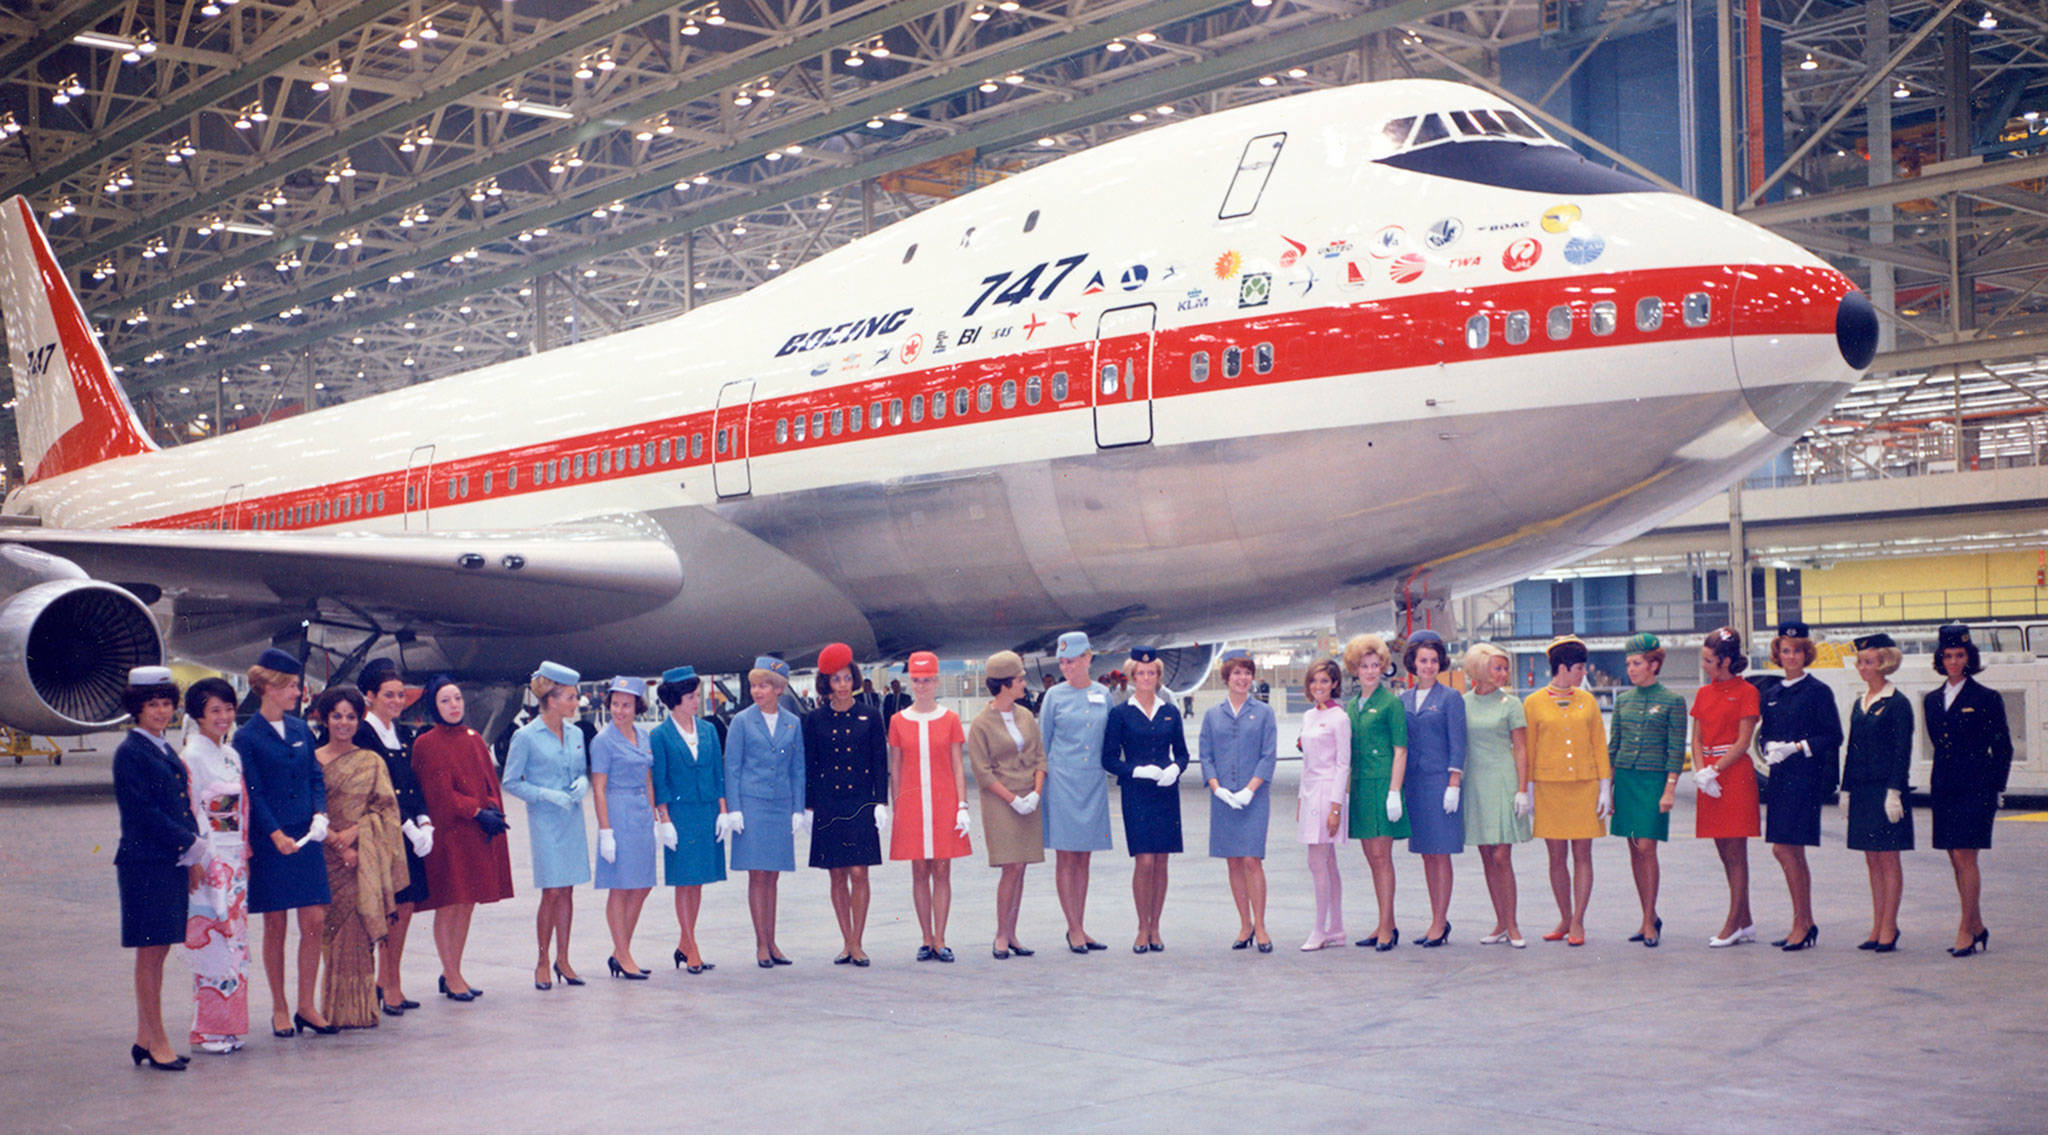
[110, 42]
[249, 230]
[542, 110]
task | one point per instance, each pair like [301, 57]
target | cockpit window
[1433, 129]
[1410, 132]
[1398, 130]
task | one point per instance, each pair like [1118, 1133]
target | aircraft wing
[545, 579]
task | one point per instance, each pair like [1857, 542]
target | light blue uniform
[1235, 748]
[764, 781]
[628, 767]
[1436, 747]
[1076, 804]
[548, 774]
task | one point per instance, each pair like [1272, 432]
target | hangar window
[1031, 220]
[818, 423]
[1233, 361]
[1649, 313]
[1106, 380]
[1009, 394]
[1059, 386]
[960, 401]
[781, 430]
[1033, 389]
[909, 252]
[895, 411]
[838, 421]
[696, 446]
[1262, 358]
[984, 398]
[1604, 318]
[1198, 366]
[917, 407]
[1477, 329]
[1697, 309]
[1557, 323]
[800, 428]
[1515, 328]
[939, 406]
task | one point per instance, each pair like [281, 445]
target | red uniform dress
[927, 797]
[455, 775]
[1720, 708]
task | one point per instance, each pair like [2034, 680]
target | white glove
[882, 819]
[1524, 806]
[1775, 751]
[195, 853]
[1394, 807]
[607, 846]
[316, 832]
[729, 824]
[579, 788]
[1031, 802]
[1451, 795]
[1020, 805]
[1894, 805]
[666, 832]
[1707, 777]
[1243, 796]
[1227, 796]
[960, 821]
[800, 823]
[1606, 806]
[1146, 772]
[422, 839]
[1169, 776]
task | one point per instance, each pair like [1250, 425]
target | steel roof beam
[54, 35]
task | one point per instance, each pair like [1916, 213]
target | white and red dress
[927, 796]
[217, 916]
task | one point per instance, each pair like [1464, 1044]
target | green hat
[1640, 644]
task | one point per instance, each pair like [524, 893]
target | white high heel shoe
[1746, 934]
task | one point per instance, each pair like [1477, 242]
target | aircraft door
[1123, 376]
[419, 485]
[230, 508]
[731, 474]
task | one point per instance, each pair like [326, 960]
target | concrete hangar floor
[1610, 1037]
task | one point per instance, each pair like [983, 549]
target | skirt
[1369, 809]
[767, 843]
[1432, 831]
[1962, 819]
[1567, 809]
[698, 858]
[632, 868]
[1312, 811]
[1240, 833]
[153, 903]
[1637, 792]
[1869, 829]
[1793, 818]
[1011, 838]
[416, 868]
[1733, 814]
[1489, 807]
[285, 882]
[1151, 819]
[843, 835]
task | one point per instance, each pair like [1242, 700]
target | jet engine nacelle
[67, 643]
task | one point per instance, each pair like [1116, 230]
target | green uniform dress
[1647, 748]
[1490, 783]
[1378, 725]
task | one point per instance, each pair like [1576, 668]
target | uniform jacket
[677, 778]
[286, 787]
[150, 790]
[997, 759]
[1568, 743]
[1971, 740]
[762, 768]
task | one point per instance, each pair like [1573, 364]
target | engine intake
[66, 647]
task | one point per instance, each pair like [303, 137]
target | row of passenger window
[320, 512]
[1233, 362]
[963, 400]
[1602, 318]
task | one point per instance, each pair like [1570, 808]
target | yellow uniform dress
[1567, 762]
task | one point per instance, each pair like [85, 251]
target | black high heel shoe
[563, 977]
[621, 971]
[1812, 938]
[1429, 943]
[1891, 947]
[305, 1026]
[680, 959]
[1650, 939]
[471, 995]
[141, 1056]
[1392, 941]
[1980, 944]
[1020, 951]
[1244, 943]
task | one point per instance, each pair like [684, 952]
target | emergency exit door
[1123, 376]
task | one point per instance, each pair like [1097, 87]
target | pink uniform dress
[927, 798]
[217, 915]
[1719, 707]
[1325, 774]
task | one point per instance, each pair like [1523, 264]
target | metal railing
[2022, 606]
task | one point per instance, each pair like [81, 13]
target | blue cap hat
[679, 674]
[1233, 655]
[1952, 634]
[278, 660]
[1074, 644]
[1793, 629]
[773, 665]
[624, 685]
[557, 673]
[1144, 654]
[1425, 636]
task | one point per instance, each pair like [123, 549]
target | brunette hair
[205, 690]
[1234, 664]
[1326, 666]
[1565, 654]
[134, 698]
[1724, 642]
[1975, 665]
[1443, 656]
[335, 695]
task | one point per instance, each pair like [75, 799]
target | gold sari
[359, 795]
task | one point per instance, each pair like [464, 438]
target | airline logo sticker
[1406, 270]
[1464, 263]
[1501, 227]
[1031, 327]
[1444, 233]
[848, 332]
[1255, 289]
[1305, 279]
[1583, 250]
[1095, 285]
[911, 346]
[1335, 249]
[1228, 265]
[1389, 241]
[1295, 251]
[1522, 255]
[1134, 277]
[1195, 300]
[1353, 278]
[1559, 218]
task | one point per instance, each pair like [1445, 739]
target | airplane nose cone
[1856, 330]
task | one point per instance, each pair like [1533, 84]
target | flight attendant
[217, 919]
[1319, 820]
[1076, 806]
[365, 861]
[1144, 746]
[1009, 765]
[546, 768]
[157, 863]
[1880, 758]
[384, 694]
[846, 789]
[622, 789]
[1648, 752]
[1379, 759]
[764, 775]
[287, 810]
[1802, 741]
[1972, 744]
[1495, 800]
[1571, 780]
[929, 787]
[1239, 747]
[469, 864]
[1432, 789]
[689, 792]
[1725, 714]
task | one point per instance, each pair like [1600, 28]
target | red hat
[924, 664]
[835, 658]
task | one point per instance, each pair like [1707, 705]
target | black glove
[492, 822]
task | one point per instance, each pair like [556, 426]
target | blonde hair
[1362, 645]
[1888, 659]
[262, 678]
[1804, 645]
[1158, 662]
[759, 674]
[1479, 655]
[542, 687]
